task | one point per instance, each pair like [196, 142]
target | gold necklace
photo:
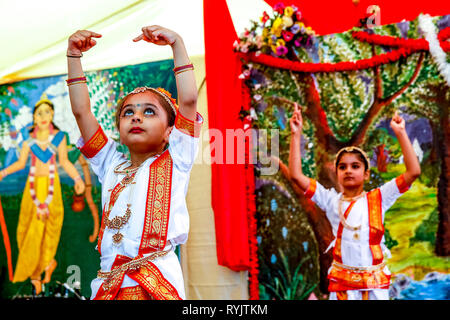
[118, 222]
[341, 215]
[126, 171]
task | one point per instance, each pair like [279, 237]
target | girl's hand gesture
[397, 123]
[296, 120]
[81, 41]
[157, 35]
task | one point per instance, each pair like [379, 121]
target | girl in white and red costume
[143, 198]
[359, 270]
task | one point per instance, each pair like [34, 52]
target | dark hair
[49, 103]
[167, 108]
[354, 151]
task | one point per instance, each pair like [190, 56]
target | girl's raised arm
[410, 158]
[295, 158]
[186, 86]
[80, 42]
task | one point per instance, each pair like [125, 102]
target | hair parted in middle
[354, 150]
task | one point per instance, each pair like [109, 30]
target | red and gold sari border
[95, 143]
[144, 272]
[401, 184]
[376, 226]
[188, 126]
[157, 210]
[309, 193]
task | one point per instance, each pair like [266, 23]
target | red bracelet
[69, 81]
[186, 66]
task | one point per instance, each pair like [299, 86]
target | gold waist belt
[377, 267]
[131, 265]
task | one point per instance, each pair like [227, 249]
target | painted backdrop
[349, 85]
[76, 255]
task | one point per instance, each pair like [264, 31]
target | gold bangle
[181, 71]
[76, 82]
[71, 56]
[183, 67]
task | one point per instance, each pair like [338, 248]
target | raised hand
[157, 35]
[397, 123]
[81, 41]
[296, 120]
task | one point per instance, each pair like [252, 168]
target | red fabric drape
[224, 103]
[336, 16]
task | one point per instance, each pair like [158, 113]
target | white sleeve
[101, 152]
[319, 194]
[391, 191]
[183, 141]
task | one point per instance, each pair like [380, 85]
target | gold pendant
[356, 236]
[128, 179]
[117, 238]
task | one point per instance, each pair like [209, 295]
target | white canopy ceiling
[34, 33]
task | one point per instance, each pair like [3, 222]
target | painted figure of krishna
[41, 211]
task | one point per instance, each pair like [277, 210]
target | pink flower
[287, 35]
[281, 50]
[279, 7]
[298, 15]
[244, 48]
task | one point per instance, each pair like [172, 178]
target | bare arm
[186, 86]
[295, 159]
[411, 162]
[19, 164]
[79, 42]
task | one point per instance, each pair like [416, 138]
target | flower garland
[328, 67]
[278, 35]
[413, 44]
[436, 50]
[405, 47]
[42, 208]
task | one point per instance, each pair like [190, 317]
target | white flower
[6, 142]
[24, 118]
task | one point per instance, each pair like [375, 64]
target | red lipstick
[136, 130]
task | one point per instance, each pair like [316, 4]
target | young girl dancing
[358, 270]
[143, 197]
